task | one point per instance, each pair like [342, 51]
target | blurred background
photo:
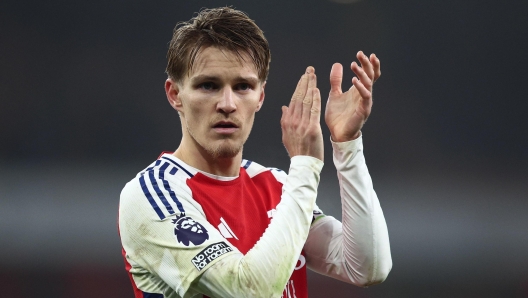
[82, 110]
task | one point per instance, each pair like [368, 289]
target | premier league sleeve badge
[187, 230]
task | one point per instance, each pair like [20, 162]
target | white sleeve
[165, 254]
[356, 251]
[266, 268]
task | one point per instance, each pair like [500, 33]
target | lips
[225, 127]
[225, 124]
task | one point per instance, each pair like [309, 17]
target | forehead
[212, 61]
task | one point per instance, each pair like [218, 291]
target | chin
[220, 148]
[227, 153]
[224, 151]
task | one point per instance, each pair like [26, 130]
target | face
[217, 102]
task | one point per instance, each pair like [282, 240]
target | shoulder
[254, 169]
[159, 189]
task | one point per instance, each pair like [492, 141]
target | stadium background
[82, 109]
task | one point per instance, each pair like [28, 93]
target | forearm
[366, 246]
[266, 268]
[356, 251]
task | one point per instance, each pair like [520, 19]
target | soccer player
[205, 221]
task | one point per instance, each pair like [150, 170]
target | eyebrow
[204, 78]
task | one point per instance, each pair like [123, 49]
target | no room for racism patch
[209, 254]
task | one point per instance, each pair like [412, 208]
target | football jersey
[194, 219]
[186, 232]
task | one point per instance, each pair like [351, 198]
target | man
[204, 221]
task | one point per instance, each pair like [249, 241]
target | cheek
[199, 117]
[249, 121]
[197, 109]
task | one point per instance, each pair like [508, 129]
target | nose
[227, 102]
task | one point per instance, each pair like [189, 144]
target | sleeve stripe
[168, 189]
[158, 190]
[152, 295]
[178, 165]
[149, 197]
[158, 195]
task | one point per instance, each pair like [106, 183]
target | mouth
[225, 124]
[225, 127]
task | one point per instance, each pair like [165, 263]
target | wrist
[345, 138]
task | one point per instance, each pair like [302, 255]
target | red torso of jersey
[241, 209]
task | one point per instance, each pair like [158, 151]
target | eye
[207, 86]
[243, 87]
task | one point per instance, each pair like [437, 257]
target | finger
[284, 123]
[363, 91]
[376, 65]
[312, 79]
[298, 95]
[284, 115]
[308, 99]
[299, 102]
[366, 101]
[336, 78]
[365, 64]
[361, 75]
[315, 111]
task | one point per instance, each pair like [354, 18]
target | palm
[347, 112]
[345, 115]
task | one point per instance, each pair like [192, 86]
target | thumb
[336, 77]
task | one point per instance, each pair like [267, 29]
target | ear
[172, 90]
[262, 95]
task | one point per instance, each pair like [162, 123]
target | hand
[347, 112]
[300, 122]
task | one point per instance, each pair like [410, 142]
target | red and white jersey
[242, 209]
[186, 233]
[206, 216]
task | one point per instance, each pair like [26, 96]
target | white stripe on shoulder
[185, 168]
[253, 169]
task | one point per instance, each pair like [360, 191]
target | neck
[198, 158]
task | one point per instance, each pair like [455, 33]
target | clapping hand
[347, 112]
[300, 122]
